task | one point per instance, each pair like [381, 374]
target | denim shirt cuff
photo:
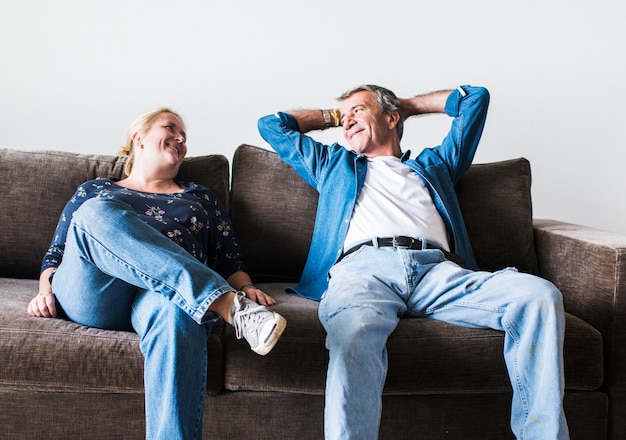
[288, 120]
[453, 103]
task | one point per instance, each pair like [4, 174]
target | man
[390, 242]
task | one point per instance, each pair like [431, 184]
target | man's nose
[347, 121]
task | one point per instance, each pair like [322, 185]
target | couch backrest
[272, 209]
[496, 202]
[36, 185]
[273, 213]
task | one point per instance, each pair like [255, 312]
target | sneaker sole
[279, 327]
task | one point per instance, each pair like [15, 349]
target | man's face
[366, 129]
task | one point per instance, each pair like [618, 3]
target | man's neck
[384, 151]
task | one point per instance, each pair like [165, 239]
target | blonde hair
[140, 125]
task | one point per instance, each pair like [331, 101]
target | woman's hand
[241, 281]
[258, 296]
[44, 304]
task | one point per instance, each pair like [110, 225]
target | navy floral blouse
[193, 218]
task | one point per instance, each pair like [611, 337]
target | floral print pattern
[194, 218]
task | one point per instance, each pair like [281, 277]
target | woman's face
[164, 142]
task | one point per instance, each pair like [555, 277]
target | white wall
[75, 73]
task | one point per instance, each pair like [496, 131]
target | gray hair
[387, 101]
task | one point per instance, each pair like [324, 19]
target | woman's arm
[226, 253]
[44, 304]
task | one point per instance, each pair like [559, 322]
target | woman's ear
[137, 139]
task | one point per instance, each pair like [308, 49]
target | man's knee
[358, 327]
[541, 301]
[541, 290]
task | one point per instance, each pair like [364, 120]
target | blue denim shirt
[338, 175]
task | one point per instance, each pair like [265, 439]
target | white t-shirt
[394, 201]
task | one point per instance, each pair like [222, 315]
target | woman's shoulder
[94, 187]
[99, 181]
[97, 184]
[196, 188]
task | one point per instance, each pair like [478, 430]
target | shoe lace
[247, 319]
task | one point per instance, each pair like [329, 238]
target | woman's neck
[151, 185]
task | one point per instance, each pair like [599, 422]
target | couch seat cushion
[425, 356]
[46, 354]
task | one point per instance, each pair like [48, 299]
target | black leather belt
[403, 242]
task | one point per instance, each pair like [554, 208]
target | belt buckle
[402, 244]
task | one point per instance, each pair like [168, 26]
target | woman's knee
[99, 208]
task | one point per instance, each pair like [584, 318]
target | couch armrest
[589, 267]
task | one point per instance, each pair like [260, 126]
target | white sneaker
[258, 325]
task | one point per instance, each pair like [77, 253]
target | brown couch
[62, 380]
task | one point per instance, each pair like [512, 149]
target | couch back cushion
[36, 185]
[273, 213]
[496, 202]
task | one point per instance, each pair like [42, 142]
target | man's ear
[392, 120]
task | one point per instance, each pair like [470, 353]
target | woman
[158, 256]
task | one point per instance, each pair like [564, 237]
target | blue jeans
[119, 273]
[371, 289]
